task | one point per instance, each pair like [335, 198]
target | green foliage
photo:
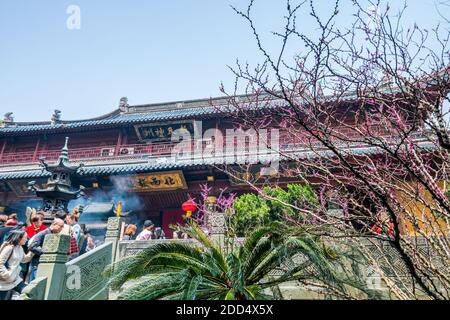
[251, 211]
[202, 270]
[176, 270]
[300, 196]
[254, 210]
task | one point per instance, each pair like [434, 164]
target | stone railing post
[35, 290]
[216, 221]
[52, 264]
[113, 234]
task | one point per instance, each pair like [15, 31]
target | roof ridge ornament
[63, 162]
[124, 107]
[56, 117]
[64, 156]
[7, 119]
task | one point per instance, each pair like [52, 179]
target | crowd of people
[21, 246]
[150, 231]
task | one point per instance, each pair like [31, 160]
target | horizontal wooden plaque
[158, 181]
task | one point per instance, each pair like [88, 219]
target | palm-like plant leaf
[235, 273]
[150, 288]
[175, 270]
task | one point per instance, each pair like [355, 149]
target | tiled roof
[30, 174]
[117, 169]
[172, 111]
[118, 119]
[150, 113]
[103, 170]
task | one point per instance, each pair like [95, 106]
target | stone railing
[387, 257]
[35, 290]
[132, 247]
[83, 277]
[128, 248]
[78, 279]
[395, 268]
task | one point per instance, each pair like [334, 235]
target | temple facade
[150, 157]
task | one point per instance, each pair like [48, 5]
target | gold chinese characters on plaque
[170, 180]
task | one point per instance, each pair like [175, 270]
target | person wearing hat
[147, 232]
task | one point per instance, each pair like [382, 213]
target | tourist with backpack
[11, 256]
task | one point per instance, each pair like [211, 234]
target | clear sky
[150, 51]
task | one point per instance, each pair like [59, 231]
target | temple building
[137, 154]
[151, 158]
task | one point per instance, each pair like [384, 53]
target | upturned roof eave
[144, 114]
[115, 122]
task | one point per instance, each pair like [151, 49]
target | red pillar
[119, 143]
[3, 149]
[36, 150]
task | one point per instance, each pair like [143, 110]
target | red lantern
[189, 207]
[376, 229]
[391, 229]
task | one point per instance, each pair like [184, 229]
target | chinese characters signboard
[159, 132]
[170, 180]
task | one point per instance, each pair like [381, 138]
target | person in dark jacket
[159, 233]
[38, 241]
[3, 219]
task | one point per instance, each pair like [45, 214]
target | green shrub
[253, 210]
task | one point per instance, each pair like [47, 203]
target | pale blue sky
[150, 51]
